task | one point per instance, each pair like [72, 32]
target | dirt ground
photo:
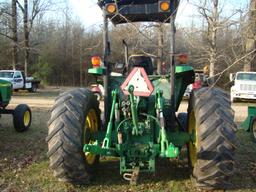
[45, 99]
[24, 163]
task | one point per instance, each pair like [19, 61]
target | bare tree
[160, 52]
[211, 15]
[26, 36]
[222, 43]
[15, 35]
[8, 29]
[37, 6]
[250, 64]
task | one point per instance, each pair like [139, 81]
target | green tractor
[21, 114]
[140, 123]
[249, 124]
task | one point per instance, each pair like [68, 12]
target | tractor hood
[6, 79]
[5, 82]
[5, 92]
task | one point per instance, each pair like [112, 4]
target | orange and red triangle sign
[139, 79]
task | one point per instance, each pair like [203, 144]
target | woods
[46, 40]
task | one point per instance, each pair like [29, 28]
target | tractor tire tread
[216, 132]
[65, 135]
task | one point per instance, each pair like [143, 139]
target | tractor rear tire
[22, 118]
[74, 118]
[211, 155]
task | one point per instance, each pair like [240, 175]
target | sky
[90, 14]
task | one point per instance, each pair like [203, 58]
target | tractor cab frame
[138, 11]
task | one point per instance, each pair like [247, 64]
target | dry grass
[24, 165]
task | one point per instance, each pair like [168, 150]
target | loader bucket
[251, 114]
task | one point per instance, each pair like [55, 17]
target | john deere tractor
[140, 122]
[21, 114]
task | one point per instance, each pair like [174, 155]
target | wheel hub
[26, 118]
[91, 126]
[193, 145]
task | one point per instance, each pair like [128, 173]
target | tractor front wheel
[75, 118]
[211, 153]
[22, 118]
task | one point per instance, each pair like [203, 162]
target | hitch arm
[107, 140]
[166, 149]
[163, 137]
[135, 129]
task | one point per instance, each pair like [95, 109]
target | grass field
[24, 165]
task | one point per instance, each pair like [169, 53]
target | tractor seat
[141, 61]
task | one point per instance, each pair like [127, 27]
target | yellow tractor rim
[91, 126]
[26, 118]
[193, 145]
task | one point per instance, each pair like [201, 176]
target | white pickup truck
[19, 81]
[244, 86]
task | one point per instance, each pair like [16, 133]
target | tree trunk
[26, 36]
[14, 35]
[213, 39]
[160, 49]
[81, 58]
[250, 63]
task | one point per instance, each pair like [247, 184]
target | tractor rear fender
[184, 76]
[251, 115]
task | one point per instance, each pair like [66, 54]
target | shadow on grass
[166, 170]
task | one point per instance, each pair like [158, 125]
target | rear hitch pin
[132, 177]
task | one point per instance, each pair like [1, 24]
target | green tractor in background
[21, 114]
[249, 124]
[140, 123]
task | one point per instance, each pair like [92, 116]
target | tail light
[96, 61]
[111, 8]
[164, 6]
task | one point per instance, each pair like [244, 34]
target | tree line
[44, 39]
